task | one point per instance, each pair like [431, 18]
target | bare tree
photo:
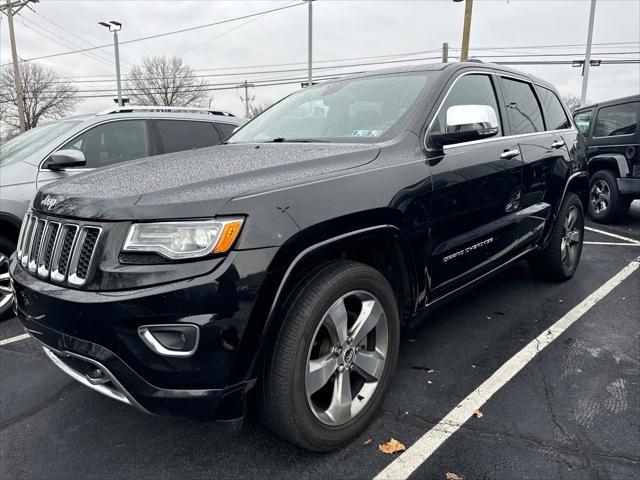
[571, 101]
[46, 95]
[256, 108]
[166, 80]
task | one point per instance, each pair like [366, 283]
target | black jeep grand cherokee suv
[287, 260]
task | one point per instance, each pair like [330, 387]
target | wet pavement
[572, 412]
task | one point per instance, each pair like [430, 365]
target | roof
[613, 101]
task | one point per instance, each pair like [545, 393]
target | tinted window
[179, 135]
[468, 90]
[582, 121]
[522, 107]
[617, 120]
[555, 114]
[225, 129]
[113, 142]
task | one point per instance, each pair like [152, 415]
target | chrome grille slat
[58, 251]
[28, 241]
[46, 248]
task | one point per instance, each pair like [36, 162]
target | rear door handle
[557, 144]
[507, 154]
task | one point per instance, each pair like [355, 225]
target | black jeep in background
[610, 141]
[286, 260]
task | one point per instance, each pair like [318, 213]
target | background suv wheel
[6, 296]
[605, 202]
[332, 362]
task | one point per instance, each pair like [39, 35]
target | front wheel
[560, 258]
[333, 360]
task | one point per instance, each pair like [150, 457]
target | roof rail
[474, 60]
[163, 108]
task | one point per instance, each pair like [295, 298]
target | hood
[16, 173]
[194, 183]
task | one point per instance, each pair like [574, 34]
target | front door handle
[507, 154]
[557, 144]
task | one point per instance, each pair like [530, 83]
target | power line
[150, 37]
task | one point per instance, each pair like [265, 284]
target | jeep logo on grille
[48, 202]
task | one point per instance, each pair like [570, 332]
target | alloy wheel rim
[600, 196]
[346, 358]
[6, 293]
[571, 236]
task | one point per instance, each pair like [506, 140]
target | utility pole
[310, 44]
[11, 8]
[115, 27]
[445, 52]
[246, 85]
[468, 7]
[587, 55]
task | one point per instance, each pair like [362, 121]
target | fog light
[171, 340]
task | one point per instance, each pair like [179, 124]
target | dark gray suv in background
[69, 146]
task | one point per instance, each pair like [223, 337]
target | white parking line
[17, 338]
[618, 244]
[421, 450]
[614, 235]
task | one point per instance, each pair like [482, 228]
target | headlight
[178, 240]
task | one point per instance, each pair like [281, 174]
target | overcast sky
[342, 30]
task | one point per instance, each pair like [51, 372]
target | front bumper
[629, 186]
[88, 330]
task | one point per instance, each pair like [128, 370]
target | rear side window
[523, 110]
[225, 129]
[556, 117]
[179, 135]
[468, 90]
[617, 120]
[582, 121]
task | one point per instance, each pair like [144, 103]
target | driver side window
[476, 89]
[112, 142]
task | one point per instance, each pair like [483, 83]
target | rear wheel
[6, 295]
[332, 362]
[560, 258]
[606, 204]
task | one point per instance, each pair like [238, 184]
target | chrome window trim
[494, 139]
[72, 269]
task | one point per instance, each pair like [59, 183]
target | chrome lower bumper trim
[117, 393]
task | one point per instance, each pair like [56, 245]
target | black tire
[550, 263]
[606, 204]
[284, 404]
[7, 247]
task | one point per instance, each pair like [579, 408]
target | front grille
[57, 250]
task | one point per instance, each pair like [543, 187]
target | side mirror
[64, 159]
[465, 123]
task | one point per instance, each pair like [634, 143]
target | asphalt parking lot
[572, 411]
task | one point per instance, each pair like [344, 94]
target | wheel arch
[382, 247]
[614, 162]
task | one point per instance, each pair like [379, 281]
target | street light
[115, 27]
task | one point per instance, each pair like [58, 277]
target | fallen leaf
[453, 476]
[478, 414]
[429, 382]
[473, 366]
[560, 301]
[392, 446]
[367, 441]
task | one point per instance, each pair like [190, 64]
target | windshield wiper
[295, 140]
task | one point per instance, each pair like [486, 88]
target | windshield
[20, 147]
[356, 109]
